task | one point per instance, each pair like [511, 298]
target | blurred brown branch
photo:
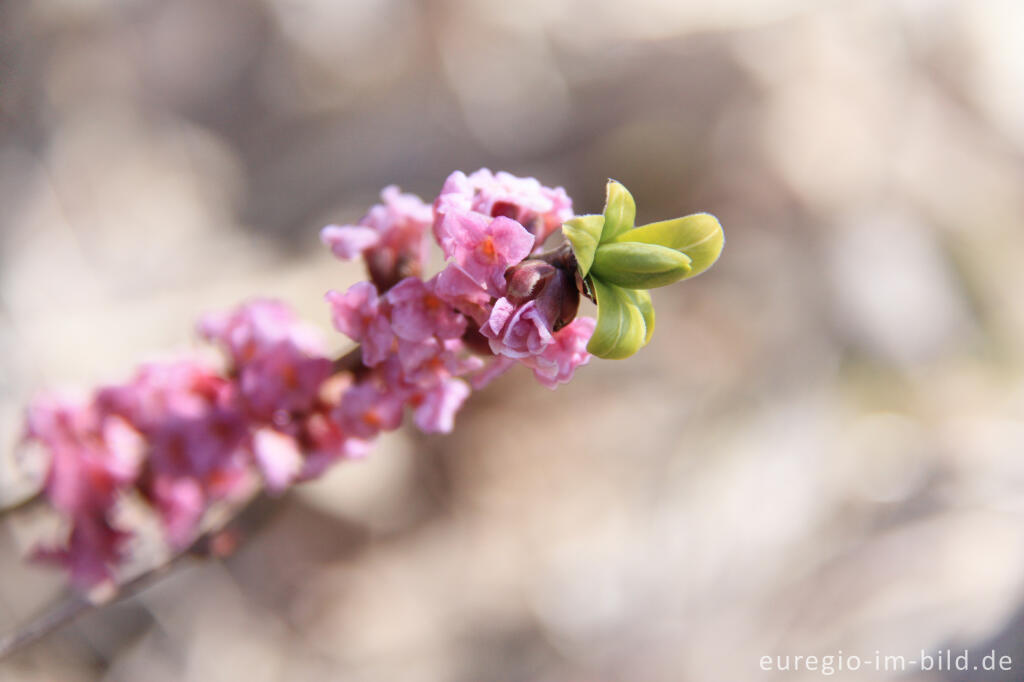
[24, 503]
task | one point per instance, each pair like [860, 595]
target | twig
[49, 620]
[351, 361]
[24, 503]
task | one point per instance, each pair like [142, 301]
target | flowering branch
[185, 438]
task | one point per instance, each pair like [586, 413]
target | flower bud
[552, 287]
[559, 299]
[525, 279]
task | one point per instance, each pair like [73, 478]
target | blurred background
[821, 449]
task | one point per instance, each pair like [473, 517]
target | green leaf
[619, 211]
[699, 236]
[620, 329]
[635, 265]
[584, 234]
[642, 300]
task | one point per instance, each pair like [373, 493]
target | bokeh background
[821, 449]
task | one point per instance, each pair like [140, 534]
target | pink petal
[349, 241]
[436, 412]
[278, 457]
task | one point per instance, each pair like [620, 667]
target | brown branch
[49, 620]
[351, 361]
[24, 503]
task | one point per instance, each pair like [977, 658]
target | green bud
[621, 330]
[699, 236]
[584, 234]
[635, 265]
[619, 211]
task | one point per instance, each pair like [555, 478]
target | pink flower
[559, 359]
[349, 241]
[390, 237]
[427, 363]
[196, 438]
[457, 288]
[417, 313]
[366, 410]
[253, 327]
[484, 247]
[357, 314]
[541, 210]
[282, 381]
[279, 359]
[91, 554]
[92, 460]
[435, 409]
[413, 355]
[517, 331]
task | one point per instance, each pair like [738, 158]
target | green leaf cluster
[620, 263]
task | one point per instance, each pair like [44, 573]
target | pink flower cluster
[183, 436]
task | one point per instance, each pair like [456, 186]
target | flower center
[372, 419]
[487, 248]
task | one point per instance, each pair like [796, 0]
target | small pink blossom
[195, 434]
[427, 363]
[412, 355]
[517, 331]
[349, 241]
[418, 313]
[91, 554]
[435, 409]
[279, 360]
[559, 359]
[541, 210]
[92, 460]
[282, 381]
[390, 237]
[91, 457]
[357, 313]
[484, 247]
[253, 327]
[187, 412]
[457, 288]
[366, 410]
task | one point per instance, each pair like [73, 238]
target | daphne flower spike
[185, 438]
[618, 263]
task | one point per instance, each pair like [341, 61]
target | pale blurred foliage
[822, 449]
